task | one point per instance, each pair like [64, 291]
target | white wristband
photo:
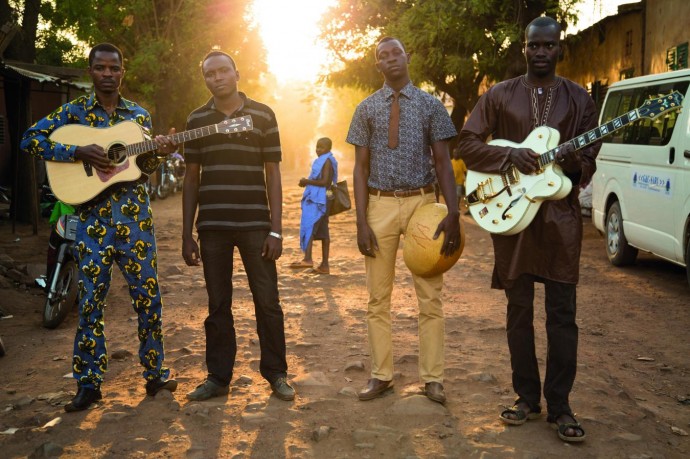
[276, 235]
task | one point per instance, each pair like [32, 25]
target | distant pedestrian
[314, 222]
[460, 172]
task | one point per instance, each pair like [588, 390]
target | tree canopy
[162, 41]
[456, 45]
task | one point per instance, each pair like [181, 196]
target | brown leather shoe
[434, 391]
[375, 388]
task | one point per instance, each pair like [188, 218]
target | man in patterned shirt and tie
[401, 134]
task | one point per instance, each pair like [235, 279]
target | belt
[403, 193]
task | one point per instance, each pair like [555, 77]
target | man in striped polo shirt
[234, 182]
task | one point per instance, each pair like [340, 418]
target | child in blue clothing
[314, 223]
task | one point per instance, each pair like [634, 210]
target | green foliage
[456, 45]
[163, 42]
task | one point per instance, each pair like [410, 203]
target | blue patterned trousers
[132, 247]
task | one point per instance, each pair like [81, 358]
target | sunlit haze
[592, 11]
[289, 30]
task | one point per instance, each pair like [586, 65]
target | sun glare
[290, 32]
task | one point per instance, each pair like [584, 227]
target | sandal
[320, 270]
[301, 264]
[519, 413]
[564, 426]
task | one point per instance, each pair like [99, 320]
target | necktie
[394, 122]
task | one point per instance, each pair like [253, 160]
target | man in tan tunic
[548, 250]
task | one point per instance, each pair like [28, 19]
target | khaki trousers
[388, 218]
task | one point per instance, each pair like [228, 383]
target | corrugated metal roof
[43, 78]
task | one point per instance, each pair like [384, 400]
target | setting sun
[289, 30]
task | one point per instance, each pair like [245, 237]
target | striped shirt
[232, 192]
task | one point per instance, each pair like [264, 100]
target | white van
[641, 190]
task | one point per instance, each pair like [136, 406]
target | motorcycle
[62, 280]
[171, 175]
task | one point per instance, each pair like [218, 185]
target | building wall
[637, 41]
[606, 52]
[666, 27]
[45, 97]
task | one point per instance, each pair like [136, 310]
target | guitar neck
[224, 127]
[592, 136]
[651, 109]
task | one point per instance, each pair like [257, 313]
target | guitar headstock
[657, 106]
[235, 125]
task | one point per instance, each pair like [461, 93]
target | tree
[457, 45]
[163, 42]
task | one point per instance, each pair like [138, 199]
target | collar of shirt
[406, 91]
[211, 105]
[122, 103]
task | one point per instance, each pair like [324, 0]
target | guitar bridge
[485, 191]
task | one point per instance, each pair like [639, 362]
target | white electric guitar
[506, 203]
[77, 182]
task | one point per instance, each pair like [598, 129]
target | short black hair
[108, 48]
[217, 52]
[384, 40]
[543, 21]
[326, 141]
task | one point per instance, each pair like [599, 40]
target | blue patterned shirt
[123, 203]
[423, 121]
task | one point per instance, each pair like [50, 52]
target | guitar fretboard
[592, 136]
[650, 109]
[225, 127]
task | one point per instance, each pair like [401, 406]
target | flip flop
[519, 413]
[321, 270]
[564, 426]
[301, 265]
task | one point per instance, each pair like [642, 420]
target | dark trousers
[561, 333]
[217, 250]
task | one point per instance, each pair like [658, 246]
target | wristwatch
[276, 235]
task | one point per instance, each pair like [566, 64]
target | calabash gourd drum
[422, 254]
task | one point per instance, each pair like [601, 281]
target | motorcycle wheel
[58, 308]
[163, 190]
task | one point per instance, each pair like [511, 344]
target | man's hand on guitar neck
[569, 158]
[166, 145]
[525, 159]
[96, 156]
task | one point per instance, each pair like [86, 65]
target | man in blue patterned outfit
[114, 227]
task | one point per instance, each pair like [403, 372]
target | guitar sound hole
[117, 153]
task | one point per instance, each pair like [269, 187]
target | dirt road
[632, 392]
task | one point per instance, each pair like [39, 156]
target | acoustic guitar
[506, 203]
[77, 182]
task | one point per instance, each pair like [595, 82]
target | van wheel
[617, 248]
[687, 260]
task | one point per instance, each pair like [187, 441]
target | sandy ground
[632, 392]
